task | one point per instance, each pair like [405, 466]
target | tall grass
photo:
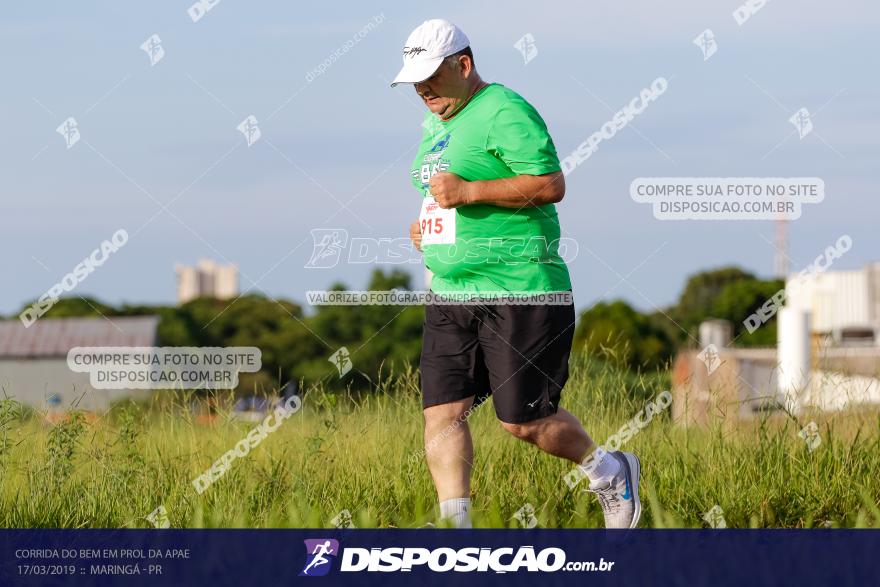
[361, 453]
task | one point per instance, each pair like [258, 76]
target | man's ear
[467, 66]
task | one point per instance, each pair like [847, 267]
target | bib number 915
[437, 224]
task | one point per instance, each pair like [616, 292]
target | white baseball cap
[426, 48]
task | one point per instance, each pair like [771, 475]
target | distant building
[827, 357]
[33, 361]
[206, 279]
[844, 305]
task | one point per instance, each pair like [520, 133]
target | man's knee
[524, 431]
[448, 414]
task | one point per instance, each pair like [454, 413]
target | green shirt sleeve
[519, 137]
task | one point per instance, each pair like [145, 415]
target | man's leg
[449, 451]
[560, 435]
[527, 350]
[452, 371]
[614, 477]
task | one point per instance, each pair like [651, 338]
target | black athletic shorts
[518, 354]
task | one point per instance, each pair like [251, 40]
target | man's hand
[450, 190]
[415, 234]
[519, 191]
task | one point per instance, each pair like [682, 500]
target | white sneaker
[619, 496]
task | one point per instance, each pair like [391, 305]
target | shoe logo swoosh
[626, 494]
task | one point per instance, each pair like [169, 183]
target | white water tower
[793, 376]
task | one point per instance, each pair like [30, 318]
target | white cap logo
[426, 48]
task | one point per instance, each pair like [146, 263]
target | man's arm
[415, 234]
[519, 191]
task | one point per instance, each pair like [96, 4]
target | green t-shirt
[496, 135]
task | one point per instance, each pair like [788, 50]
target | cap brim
[417, 71]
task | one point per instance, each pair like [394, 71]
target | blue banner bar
[439, 557]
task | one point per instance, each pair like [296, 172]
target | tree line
[298, 347]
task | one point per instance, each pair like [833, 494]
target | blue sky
[153, 134]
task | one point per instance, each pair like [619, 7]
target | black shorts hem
[525, 418]
[445, 399]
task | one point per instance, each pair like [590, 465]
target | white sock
[457, 511]
[600, 467]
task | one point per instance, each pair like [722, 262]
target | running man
[319, 552]
[489, 176]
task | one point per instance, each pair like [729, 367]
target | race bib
[437, 224]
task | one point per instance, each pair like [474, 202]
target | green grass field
[361, 454]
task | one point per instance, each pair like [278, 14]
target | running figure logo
[153, 48]
[706, 42]
[527, 48]
[328, 246]
[250, 128]
[802, 122]
[69, 129]
[342, 360]
[710, 357]
[319, 554]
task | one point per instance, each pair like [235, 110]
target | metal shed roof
[54, 337]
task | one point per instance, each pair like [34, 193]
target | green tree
[697, 300]
[277, 327]
[293, 345]
[618, 332]
[740, 299]
[78, 307]
[375, 336]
